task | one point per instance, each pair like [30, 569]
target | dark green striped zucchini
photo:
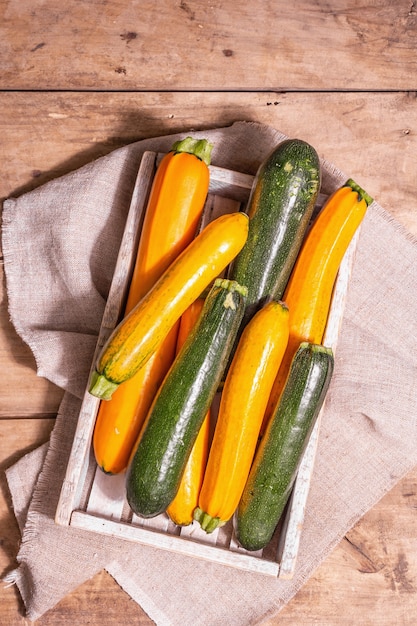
[280, 206]
[180, 406]
[280, 451]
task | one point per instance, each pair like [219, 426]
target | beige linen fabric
[60, 244]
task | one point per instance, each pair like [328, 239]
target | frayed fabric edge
[22, 575]
[8, 262]
[22, 581]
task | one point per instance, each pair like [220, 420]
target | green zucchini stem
[362, 193]
[206, 521]
[231, 285]
[101, 387]
[315, 347]
[201, 148]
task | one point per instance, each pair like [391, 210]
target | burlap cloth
[60, 244]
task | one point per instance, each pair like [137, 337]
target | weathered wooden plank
[78, 463]
[107, 497]
[373, 136]
[172, 543]
[261, 45]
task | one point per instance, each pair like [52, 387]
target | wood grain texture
[80, 79]
[373, 136]
[196, 45]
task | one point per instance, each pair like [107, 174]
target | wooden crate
[94, 501]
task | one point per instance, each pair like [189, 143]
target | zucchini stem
[102, 387]
[206, 521]
[231, 285]
[201, 148]
[315, 347]
[362, 193]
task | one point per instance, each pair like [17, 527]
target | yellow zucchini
[139, 334]
[309, 291]
[242, 407]
[174, 208]
[182, 507]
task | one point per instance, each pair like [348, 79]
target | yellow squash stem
[141, 332]
[309, 291]
[174, 208]
[182, 507]
[242, 407]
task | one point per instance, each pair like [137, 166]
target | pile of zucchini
[256, 335]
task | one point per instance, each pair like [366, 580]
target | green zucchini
[280, 207]
[278, 457]
[180, 406]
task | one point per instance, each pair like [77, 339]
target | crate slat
[173, 543]
[195, 532]
[107, 496]
[158, 523]
[80, 453]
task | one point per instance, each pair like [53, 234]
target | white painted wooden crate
[94, 501]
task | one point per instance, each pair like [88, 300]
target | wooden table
[79, 79]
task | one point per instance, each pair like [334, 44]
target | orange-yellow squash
[120, 419]
[174, 208]
[140, 333]
[177, 198]
[242, 407]
[309, 290]
[182, 507]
